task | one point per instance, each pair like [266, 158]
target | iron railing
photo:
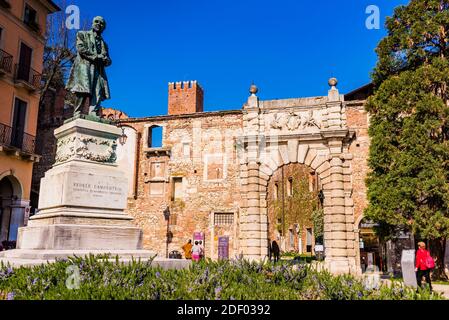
[16, 138]
[5, 61]
[25, 73]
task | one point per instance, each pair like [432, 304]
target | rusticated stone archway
[312, 132]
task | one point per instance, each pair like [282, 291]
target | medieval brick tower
[185, 97]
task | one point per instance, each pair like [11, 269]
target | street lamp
[123, 138]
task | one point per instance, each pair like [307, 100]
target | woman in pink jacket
[423, 265]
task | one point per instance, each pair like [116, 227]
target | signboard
[223, 248]
[408, 268]
[370, 257]
[198, 236]
[319, 248]
[27, 216]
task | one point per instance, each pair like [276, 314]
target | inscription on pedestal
[97, 191]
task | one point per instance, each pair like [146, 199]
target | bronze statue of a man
[88, 78]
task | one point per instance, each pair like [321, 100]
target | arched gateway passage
[11, 213]
[293, 196]
[311, 132]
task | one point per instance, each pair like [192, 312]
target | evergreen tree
[408, 186]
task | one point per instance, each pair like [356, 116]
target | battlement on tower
[185, 97]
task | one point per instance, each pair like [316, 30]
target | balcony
[5, 4]
[5, 62]
[26, 77]
[17, 142]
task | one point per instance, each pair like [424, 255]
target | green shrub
[106, 279]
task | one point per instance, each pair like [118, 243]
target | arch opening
[293, 201]
[10, 217]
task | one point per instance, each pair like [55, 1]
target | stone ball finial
[333, 82]
[253, 89]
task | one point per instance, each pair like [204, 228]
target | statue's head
[98, 24]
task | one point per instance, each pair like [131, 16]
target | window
[155, 137]
[26, 55]
[312, 182]
[292, 238]
[309, 237]
[30, 17]
[18, 123]
[290, 187]
[276, 191]
[186, 150]
[5, 4]
[178, 191]
[157, 170]
[223, 219]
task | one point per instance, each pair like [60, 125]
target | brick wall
[357, 120]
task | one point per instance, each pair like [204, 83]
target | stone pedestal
[82, 202]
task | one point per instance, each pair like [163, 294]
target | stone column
[253, 230]
[335, 235]
[338, 204]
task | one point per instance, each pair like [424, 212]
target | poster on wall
[223, 248]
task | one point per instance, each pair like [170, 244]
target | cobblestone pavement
[442, 288]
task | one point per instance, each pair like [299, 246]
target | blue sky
[289, 48]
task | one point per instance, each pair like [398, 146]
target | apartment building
[22, 42]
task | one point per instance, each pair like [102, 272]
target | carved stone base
[82, 201]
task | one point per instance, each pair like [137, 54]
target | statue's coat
[85, 70]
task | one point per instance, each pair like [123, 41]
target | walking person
[187, 248]
[201, 249]
[424, 264]
[196, 252]
[270, 252]
[276, 251]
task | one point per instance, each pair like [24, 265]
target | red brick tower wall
[185, 98]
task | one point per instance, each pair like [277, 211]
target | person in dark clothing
[276, 251]
[270, 253]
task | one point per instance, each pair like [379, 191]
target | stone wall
[222, 162]
[194, 173]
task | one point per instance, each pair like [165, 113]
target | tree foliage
[409, 153]
[417, 33]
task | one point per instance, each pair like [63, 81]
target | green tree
[408, 186]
